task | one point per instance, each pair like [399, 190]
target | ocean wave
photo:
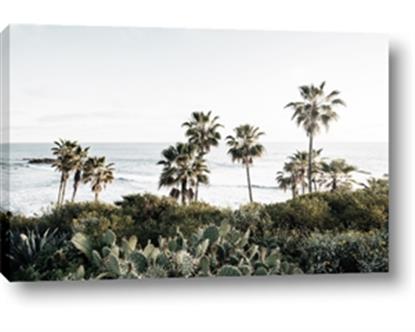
[137, 178]
[255, 186]
[13, 163]
[147, 161]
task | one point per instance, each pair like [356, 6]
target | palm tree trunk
[76, 181]
[184, 192]
[63, 190]
[75, 189]
[248, 177]
[60, 191]
[310, 163]
[196, 190]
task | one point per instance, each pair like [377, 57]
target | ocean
[34, 188]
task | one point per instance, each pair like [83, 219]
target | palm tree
[244, 147]
[79, 158]
[182, 168]
[294, 172]
[200, 171]
[317, 176]
[64, 152]
[98, 173]
[376, 185]
[338, 173]
[299, 161]
[202, 131]
[287, 181]
[315, 110]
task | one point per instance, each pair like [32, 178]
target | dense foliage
[147, 236]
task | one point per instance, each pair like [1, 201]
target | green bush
[153, 216]
[359, 210]
[346, 252]
[254, 217]
[304, 213]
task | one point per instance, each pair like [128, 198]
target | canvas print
[133, 153]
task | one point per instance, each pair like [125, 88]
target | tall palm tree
[338, 173]
[98, 173]
[244, 147]
[79, 158]
[182, 168]
[64, 163]
[202, 130]
[315, 110]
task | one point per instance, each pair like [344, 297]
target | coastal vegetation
[145, 236]
[332, 224]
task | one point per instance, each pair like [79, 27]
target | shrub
[305, 213]
[359, 210]
[333, 252]
[254, 217]
[153, 216]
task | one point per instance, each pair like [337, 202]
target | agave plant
[25, 247]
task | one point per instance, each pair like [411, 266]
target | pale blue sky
[140, 84]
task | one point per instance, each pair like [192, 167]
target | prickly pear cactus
[184, 263]
[211, 251]
[83, 243]
[204, 265]
[261, 271]
[202, 248]
[112, 264]
[108, 238]
[139, 261]
[229, 271]
[156, 271]
[96, 258]
[211, 233]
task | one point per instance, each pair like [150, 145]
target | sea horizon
[34, 187]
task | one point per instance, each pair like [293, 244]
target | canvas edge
[4, 143]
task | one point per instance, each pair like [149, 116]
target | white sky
[139, 85]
